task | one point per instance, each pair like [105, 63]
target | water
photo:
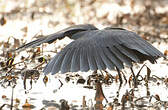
[49, 95]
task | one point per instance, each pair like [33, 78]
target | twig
[11, 65]
[1, 107]
[11, 107]
[39, 65]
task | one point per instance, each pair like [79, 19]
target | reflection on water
[57, 92]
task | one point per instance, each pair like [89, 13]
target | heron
[94, 49]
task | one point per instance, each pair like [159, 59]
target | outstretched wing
[101, 49]
[59, 35]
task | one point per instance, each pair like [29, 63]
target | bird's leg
[119, 74]
[134, 77]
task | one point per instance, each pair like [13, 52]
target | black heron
[94, 49]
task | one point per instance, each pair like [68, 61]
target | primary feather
[94, 49]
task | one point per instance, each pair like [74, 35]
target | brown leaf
[158, 83]
[164, 20]
[116, 78]
[32, 15]
[22, 58]
[6, 44]
[64, 105]
[166, 52]
[67, 79]
[17, 100]
[157, 97]
[24, 29]
[166, 80]
[26, 105]
[110, 108]
[3, 96]
[2, 21]
[107, 78]
[45, 79]
[129, 81]
[2, 64]
[81, 80]
[16, 43]
[9, 55]
[38, 50]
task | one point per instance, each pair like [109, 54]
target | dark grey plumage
[94, 49]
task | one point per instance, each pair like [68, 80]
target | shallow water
[49, 95]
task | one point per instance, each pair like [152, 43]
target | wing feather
[49, 66]
[66, 63]
[121, 56]
[70, 31]
[91, 58]
[98, 59]
[113, 58]
[128, 52]
[84, 66]
[75, 63]
[101, 49]
[57, 65]
[109, 64]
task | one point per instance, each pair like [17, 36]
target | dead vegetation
[28, 19]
